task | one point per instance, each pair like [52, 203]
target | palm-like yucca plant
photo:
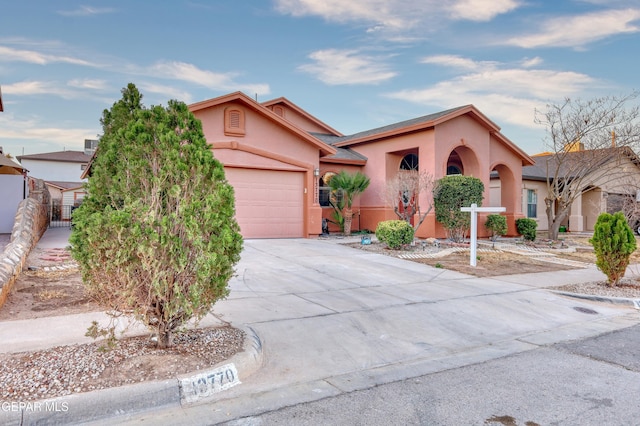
[349, 185]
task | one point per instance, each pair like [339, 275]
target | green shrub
[613, 242]
[450, 194]
[497, 225]
[156, 235]
[395, 233]
[527, 228]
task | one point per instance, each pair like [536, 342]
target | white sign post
[474, 209]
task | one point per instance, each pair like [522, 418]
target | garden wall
[30, 223]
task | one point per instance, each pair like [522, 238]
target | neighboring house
[12, 191]
[277, 156]
[60, 166]
[616, 178]
[62, 173]
[64, 196]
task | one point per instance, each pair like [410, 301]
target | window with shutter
[234, 122]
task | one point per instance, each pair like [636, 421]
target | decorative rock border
[29, 225]
[104, 406]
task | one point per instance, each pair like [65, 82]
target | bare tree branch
[402, 193]
[590, 143]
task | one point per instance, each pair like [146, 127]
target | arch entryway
[462, 161]
[504, 192]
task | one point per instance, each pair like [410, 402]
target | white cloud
[31, 56]
[481, 10]
[457, 62]
[166, 92]
[86, 11]
[577, 31]
[531, 62]
[215, 81]
[397, 15]
[30, 88]
[88, 83]
[337, 67]
[511, 94]
[38, 136]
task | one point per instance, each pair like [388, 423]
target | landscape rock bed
[64, 370]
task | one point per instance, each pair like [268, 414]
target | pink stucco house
[276, 156]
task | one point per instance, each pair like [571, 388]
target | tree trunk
[348, 217]
[554, 222]
[165, 338]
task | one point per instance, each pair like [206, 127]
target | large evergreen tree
[156, 234]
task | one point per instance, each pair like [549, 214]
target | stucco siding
[53, 170]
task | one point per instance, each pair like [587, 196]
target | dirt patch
[490, 264]
[41, 293]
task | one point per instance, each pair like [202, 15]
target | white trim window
[532, 203]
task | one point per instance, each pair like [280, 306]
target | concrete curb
[607, 299]
[125, 400]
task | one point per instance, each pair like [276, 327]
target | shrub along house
[278, 157]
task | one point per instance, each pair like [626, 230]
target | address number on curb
[206, 384]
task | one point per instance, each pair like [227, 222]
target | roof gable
[267, 113]
[302, 113]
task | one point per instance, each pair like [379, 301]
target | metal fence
[59, 215]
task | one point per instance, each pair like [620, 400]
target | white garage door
[269, 204]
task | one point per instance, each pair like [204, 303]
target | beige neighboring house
[616, 179]
[64, 196]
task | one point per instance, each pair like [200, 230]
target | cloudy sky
[354, 64]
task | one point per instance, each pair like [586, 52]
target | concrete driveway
[333, 319]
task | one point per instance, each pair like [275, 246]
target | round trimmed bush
[527, 228]
[395, 233]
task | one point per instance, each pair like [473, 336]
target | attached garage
[269, 203]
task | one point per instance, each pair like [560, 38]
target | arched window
[409, 162]
[452, 169]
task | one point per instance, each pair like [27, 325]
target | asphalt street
[593, 381]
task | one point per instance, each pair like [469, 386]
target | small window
[532, 203]
[234, 122]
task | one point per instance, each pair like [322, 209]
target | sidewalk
[330, 319]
